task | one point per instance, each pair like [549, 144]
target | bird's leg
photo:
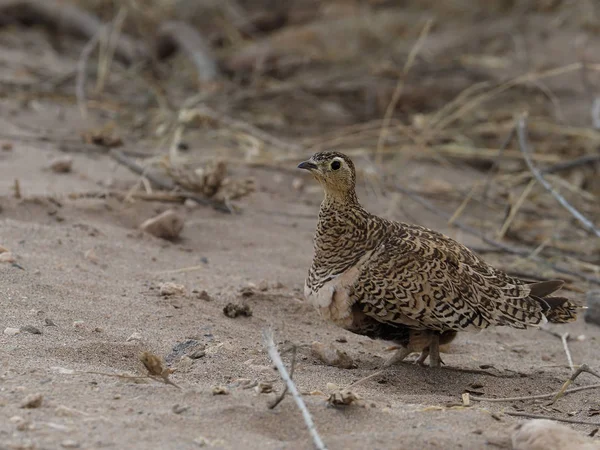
[422, 357]
[398, 356]
[434, 351]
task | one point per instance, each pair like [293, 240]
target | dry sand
[86, 268]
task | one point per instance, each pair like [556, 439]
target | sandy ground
[86, 268]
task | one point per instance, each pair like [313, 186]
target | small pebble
[263, 286]
[32, 401]
[31, 329]
[7, 257]
[11, 331]
[69, 443]
[169, 289]
[197, 354]
[220, 390]
[65, 411]
[62, 164]
[332, 356]
[264, 388]
[203, 295]
[49, 322]
[78, 324]
[21, 423]
[7, 146]
[167, 225]
[180, 409]
[134, 337]
[298, 184]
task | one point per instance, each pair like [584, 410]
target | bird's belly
[333, 300]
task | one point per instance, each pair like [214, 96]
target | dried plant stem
[278, 400]
[558, 419]
[515, 209]
[533, 397]
[399, 87]
[574, 375]
[563, 339]
[276, 358]
[524, 146]
[82, 68]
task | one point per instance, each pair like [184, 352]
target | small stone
[203, 295]
[62, 164]
[264, 387]
[332, 356]
[180, 409]
[592, 313]
[134, 337]
[21, 423]
[31, 329]
[69, 443]
[49, 322]
[11, 331]
[197, 354]
[78, 324]
[220, 390]
[263, 286]
[233, 310]
[167, 225]
[278, 285]
[32, 401]
[7, 146]
[341, 340]
[91, 256]
[7, 257]
[169, 289]
[3, 249]
[98, 330]
[190, 203]
[298, 184]
[248, 291]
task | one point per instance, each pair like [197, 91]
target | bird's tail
[556, 309]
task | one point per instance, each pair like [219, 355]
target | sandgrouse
[405, 283]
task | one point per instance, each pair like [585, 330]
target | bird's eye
[335, 165]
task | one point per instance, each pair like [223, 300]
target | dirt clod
[31, 329]
[234, 310]
[167, 225]
[32, 401]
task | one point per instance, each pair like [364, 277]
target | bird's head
[335, 172]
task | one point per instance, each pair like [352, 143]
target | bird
[406, 283]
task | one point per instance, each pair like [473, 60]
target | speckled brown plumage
[406, 283]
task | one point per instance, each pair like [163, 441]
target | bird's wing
[421, 278]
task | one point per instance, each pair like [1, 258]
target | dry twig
[278, 400]
[558, 419]
[524, 146]
[574, 375]
[533, 397]
[274, 355]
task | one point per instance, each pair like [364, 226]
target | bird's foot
[398, 356]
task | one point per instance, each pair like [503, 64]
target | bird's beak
[308, 165]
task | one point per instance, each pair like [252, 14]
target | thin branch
[400, 87]
[557, 419]
[533, 397]
[563, 339]
[82, 68]
[524, 146]
[276, 358]
[574, 375]
[278, 400]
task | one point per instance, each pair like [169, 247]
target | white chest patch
[333, 300]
